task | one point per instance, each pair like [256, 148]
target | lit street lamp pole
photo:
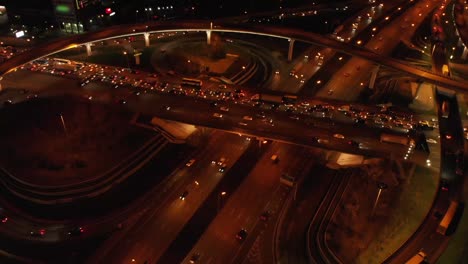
[381, 187]
[63, 124]
[126, 58]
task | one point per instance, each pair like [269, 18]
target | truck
[64, 66]
[268, 98]
[447, 219]
[396, 139]
[418, 258]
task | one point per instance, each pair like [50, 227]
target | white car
[338, 136]
[217, 115]
[190, 163]
[224, 108]
[247, 118]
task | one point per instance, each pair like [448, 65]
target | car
[322, 141]
[353, 143]
[265, 215]
[183, 195]
[194, 258]
[277, 72]
[241, 235]
[249, 118]
[224, 109]
[217, 115]
[76, 231]
[38, 233]
[444, 185]
[222, 168]
[438, 215]
[274, 158]
[3, 218]
[340, 136]
[220, 161]
[242, 123]
[166, 107]
[445, 109]
[214, 104]
[432, 141]
[190, 163]
[222, 86]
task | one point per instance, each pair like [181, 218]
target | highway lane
[383, 44]
[284, 128]
[426, 237]
[306, 68]
[155, 231]
[292, 235]
[218, 244]
[368, 25]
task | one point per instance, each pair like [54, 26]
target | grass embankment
[416, 197]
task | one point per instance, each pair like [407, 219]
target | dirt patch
[36, 148]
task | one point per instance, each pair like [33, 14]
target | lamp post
[381, 187]
[126, 58]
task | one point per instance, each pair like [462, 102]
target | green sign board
[62, 8]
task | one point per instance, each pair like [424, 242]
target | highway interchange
[260, 189]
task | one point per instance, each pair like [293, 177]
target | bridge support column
[291, 48]
[147, 39]
[375, 71]
[208, 37]
[88, 49]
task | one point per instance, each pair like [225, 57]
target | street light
[381, 187]
[126, 58]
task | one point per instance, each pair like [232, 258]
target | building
[67, 14]
[28, 13]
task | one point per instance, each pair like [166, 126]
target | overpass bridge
[288, 34]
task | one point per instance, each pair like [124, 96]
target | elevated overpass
[288, 34]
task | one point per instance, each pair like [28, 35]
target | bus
[289, 99]
[396, 139]
[64, 61]
[192, 82]
[449, 222]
